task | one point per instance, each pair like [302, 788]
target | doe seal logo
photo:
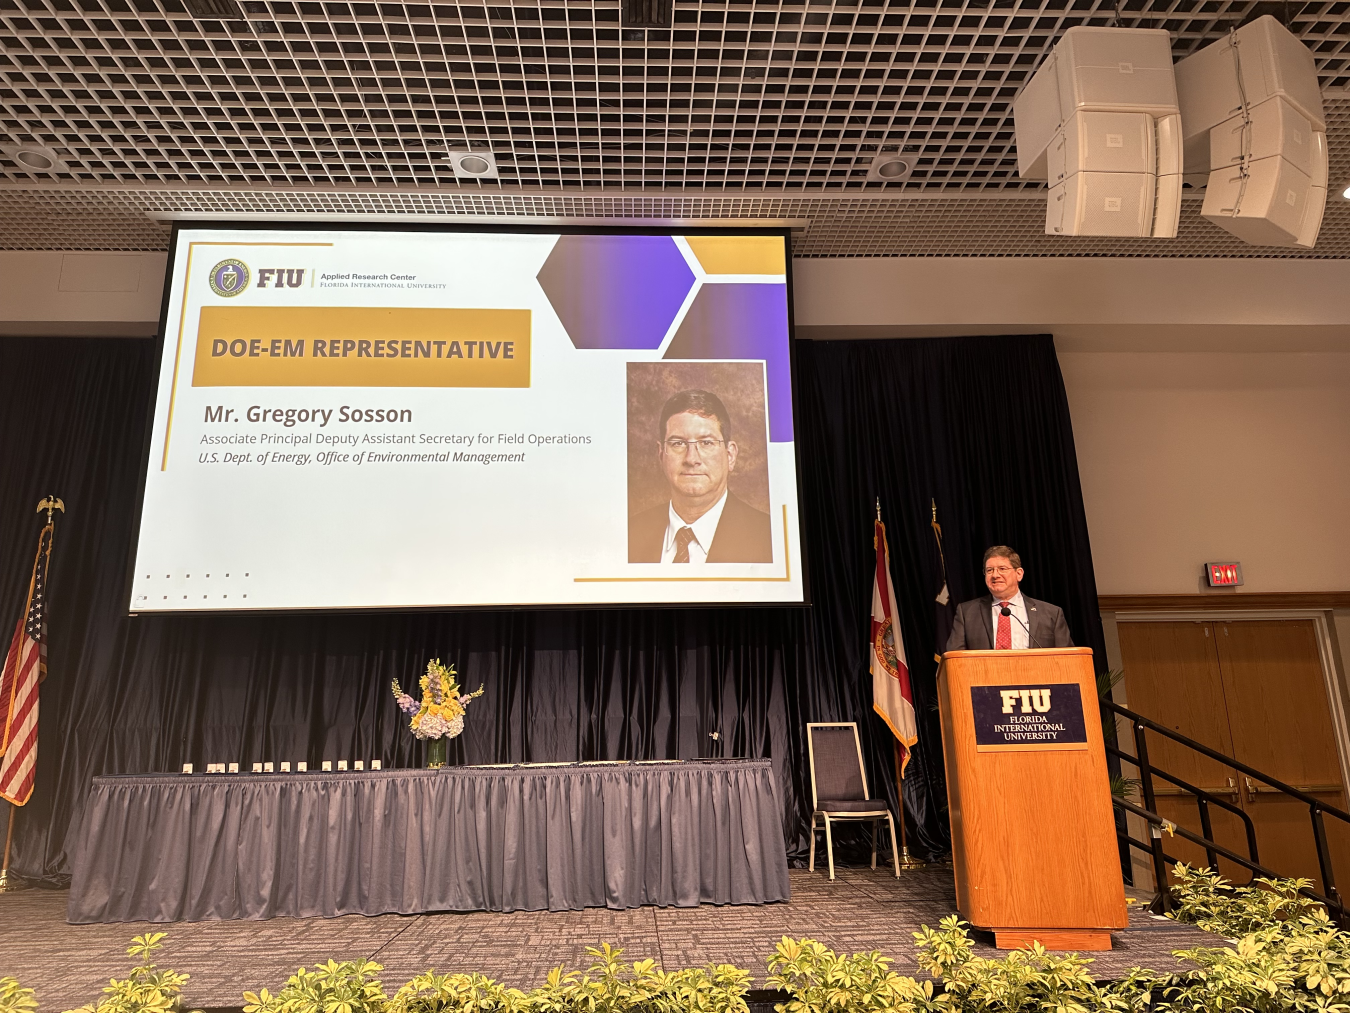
[229, 277]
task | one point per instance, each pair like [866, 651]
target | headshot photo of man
[699, 520]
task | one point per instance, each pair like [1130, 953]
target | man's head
[695, 450]
[1002, 571]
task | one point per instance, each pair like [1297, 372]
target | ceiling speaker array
[1254, 131]
[1099, 122]
[1111, 125]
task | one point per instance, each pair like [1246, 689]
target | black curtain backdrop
[979, 425]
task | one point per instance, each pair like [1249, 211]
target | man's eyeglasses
[679, 447]
[989, 571]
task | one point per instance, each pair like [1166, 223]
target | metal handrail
[1200, 747]
[1316, 808]
[1332, 903]
[1190, 835]
[1203, 799]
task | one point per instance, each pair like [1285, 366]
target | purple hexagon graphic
[743, 321]
[616, 291]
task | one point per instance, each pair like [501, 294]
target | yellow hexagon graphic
[740, 254]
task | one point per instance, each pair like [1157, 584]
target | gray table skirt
[191, 847]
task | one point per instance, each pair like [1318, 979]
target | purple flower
[406, 703]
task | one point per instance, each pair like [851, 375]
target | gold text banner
[361, 346]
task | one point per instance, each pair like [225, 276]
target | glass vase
[435, 753]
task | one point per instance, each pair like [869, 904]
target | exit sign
[1223, 574]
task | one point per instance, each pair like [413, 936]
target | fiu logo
[281, 277]
[1037, 700]
[229, 278]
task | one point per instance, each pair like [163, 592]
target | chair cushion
[856, 805]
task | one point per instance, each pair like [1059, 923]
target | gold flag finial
[49, 504]
[878, 508]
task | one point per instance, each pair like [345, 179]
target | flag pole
[905, 860]
[8, 883]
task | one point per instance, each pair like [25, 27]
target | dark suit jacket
[743, 534]
[974, 630]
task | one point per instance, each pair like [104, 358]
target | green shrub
[14, 998]
[1206, 899]
[1031, 980]
[611, 986]
[608, 986]
[347, 987]
[718, 988]
[450, 993]
[1289, 954]
[1025, 981]
[819, 979]
[147, 990]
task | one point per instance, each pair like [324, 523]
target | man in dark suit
[982, 625]
[702, 522]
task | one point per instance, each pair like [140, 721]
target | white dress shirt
[1021, 637]
[704, 530]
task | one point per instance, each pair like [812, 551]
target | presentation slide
[363, 419]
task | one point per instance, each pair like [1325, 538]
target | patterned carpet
[861, 910]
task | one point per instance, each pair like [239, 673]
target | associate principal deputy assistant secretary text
[290, 417]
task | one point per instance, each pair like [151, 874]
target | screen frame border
[517, 228]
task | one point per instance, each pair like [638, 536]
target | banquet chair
[839, 787]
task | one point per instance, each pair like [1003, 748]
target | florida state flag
[892, 697]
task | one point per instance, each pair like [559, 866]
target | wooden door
[1172, 675]
[1281, 725]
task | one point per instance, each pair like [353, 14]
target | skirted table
[163, 848]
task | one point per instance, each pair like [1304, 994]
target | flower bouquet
[440, 713]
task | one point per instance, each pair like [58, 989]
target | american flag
[25, 667]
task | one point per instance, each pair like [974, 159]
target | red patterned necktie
[1003, 641]
[682, 539]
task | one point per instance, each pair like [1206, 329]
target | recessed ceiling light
[34, 160]
[31, 157]
[474, 164]
[1346, 192]
[891, 167]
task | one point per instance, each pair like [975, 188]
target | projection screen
[351, 418]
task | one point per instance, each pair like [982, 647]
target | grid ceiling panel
[754, 97]
[838, 225]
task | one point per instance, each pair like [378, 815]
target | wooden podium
[1033, 832]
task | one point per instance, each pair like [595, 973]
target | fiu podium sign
[1028, 717]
